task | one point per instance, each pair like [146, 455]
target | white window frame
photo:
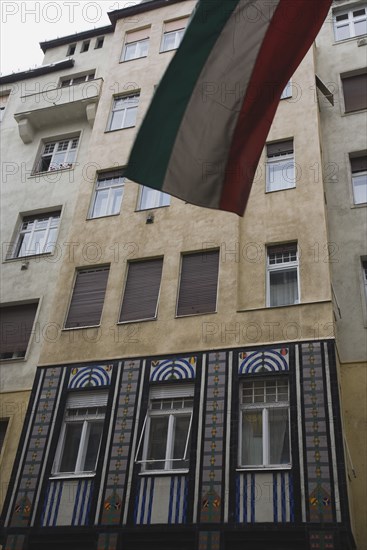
[167, 394]
[178, 34]
[94, 400]
[77, 79]
[52, 223]
[115, 108]
[264, 408]
[287, 92]
[356, 177]
[156, 198]
[99, 187]
[288, 162]
[139, 46]
[71, 151]
[349, 22]
[284, 266]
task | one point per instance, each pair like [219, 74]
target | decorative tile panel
[212, 490]
[209, 540]
[317, 463]
[87, 377]
[173, 369]
[264, 497]
[161, 499]
[45, 409]
[262, 361]
[118, 464]
[67, 502]
[319, 540]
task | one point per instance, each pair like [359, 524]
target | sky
[25, 23]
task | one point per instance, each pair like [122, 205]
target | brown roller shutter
[16, 327]
[199, 282]
[88, 298]
[358, 164]
[280, 148]
[142, 290]
[355, 92]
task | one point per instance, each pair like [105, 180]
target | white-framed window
[108, 194]
[72, 80]
[57, 155]
[123, 112]
[173, 33]
[287, 92]
[136, 44]
[264, 434]
[37, 234]
[350, 23]
[152, 198]
[280, 169]
[167, 428]
[81, 433]
[282, 275]
[359, 178]
[364, 276]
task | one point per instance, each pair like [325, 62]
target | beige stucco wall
[13, 407]
[242, 317]
[354, 408]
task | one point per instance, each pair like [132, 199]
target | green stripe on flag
[152, 149]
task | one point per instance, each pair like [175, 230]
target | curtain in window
[278, 436]
[252, 438]
[283, 287]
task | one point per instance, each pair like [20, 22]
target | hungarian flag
[204, 131]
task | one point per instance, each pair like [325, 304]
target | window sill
[133, 59]
[13, 359]
[278, 190]
[359, 205]
[350, 113]
[195, 314]
[119, 129]
[350, 39]
[29, 257]
[47, 172]
[136, 321]
[164, 472]
[264, 468]
[152, 208]
[171, 50]
[101, 217]
[72, 476]
[79, 328]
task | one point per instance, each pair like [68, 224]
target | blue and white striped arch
[173, 369]
[86, 377]
[256, 362]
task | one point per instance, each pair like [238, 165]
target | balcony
[57, 106]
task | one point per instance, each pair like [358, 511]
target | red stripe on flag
[292, 30]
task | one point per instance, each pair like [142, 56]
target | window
[142, 290]
[3, 427]
[350, 23]
[71, 49]
[88, 296]
[99, 43]
[81, 433]
[108, 194]
[16, 327]
[364, 274]
[359, 178]
[37, 234]
[280, 172]
[355, 92]
[199, 283]
[58, 155]
[85, 46]
[136, 44]
[71, 81]
[173, 33]
[282, 275]
[152, 198]
[168, 427]
[287, 92]
[264, 423]
[3, 101]
[124, 111]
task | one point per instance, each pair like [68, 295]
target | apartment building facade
[187, 392]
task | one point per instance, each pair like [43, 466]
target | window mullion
[170, 440]
[82, 447]
[265, 419]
